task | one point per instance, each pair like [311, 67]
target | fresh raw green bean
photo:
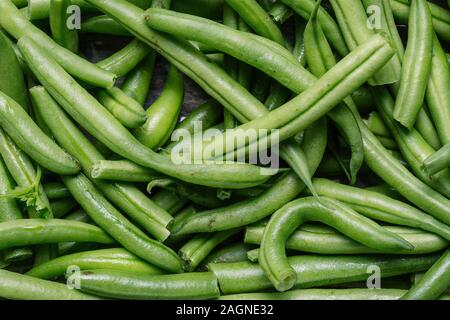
[103, 25]
[438, 92]
[128, 198]
[377, 126]
[257, 18]
[169, 201]
[126, 59]
[18, 26]
[416, 65]
[380, 207]
[36, 289]
[56, 190]
[137, 83]
[200, 246]
[163, 114]
[426, 128]
[101, 124]
[329, 26]
[284, 222]
[29, 137]
[438, 161]
[211, 9]
[58, 16]
[128, 111]
[40, 231]
[299, 46]
[232, 253]
[253, 210]
[127, 234]
[388, 143]
[121, 171]
[62, 207]
[113, 259]
[324, 240]
[278, 96]
[280, 13]
[353, 21]
[434, 283]
[441, 17]
[128, 285]
[317, 270]
[12, 81]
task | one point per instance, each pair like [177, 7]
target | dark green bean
[62, 207]
[137, 83]
[280, 13]
[56, 190]
[103, 25]
[231, 253]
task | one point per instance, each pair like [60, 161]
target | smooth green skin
[20, 3]
[380, 207]
[24, 232]
[200, 246]
[88, 112]
[322, 240]
[56, 190]
[163, 114]
[317, 270]
[329, 26]
[113, 259]
[320, 59]
[377, 126]
[129, 113]
[413, 147]
[211, 9]
[278, 96]
[438, 161]
[257, 18]
[416, 66]
[58, 25]
[169, 200]
[127, 285]
[62, 207]
[12, 81]
[280, 13]
[441, 16]
[388, 143]
[126, 59]
[287, 219]
[126, 197]
[232, 253]
[16, 286]
[103, 25]
[352, 18]
[426, 128]
[29, 137]
[325, 294]
[137, 82]
[299, 45]
[24, 174]
[121, 229]
[438, 92]
[434, 282]
[249, 211]
[121, 171]
[18, 26]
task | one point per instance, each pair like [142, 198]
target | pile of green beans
[96, 204]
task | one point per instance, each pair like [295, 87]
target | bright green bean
[377, 126]
[137, 83]
[438, 161]
[121, 171]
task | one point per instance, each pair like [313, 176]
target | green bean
[352, 19]
[438, 93]
[441, 17]
[102, 125]
[39, 231]
[36, 289]
[125, 109]
[381, 207]
[56, 190]
[127, 58]
[324, 240]
[12, 81]
[65, 248]
[137, 83]
[62, 207]
[232, 253]
[28, 136]
[26, 177]
[377, 126]
[252, 210]
[103, 24]
[128, 198]
[18, 26]
[113, 259]
[199, 247]
[258, 19]
[438, 161]
[211, 9]
[287, 219]
[329, 26]
[299, 46]
[280, 13]
[435, 281]
[278, 96]
[163, 114]
[318, 270]
[121, 171]
[127, 285]
[106, 216]
[169, 200]
[415, 75]
[20, 3]
[65, 37]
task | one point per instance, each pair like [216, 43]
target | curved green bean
[438, 161]
[103, 25]
[137, 82]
